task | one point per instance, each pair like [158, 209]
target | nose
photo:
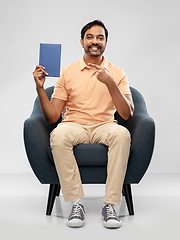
[95, 40]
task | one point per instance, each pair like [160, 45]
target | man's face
[94, 42]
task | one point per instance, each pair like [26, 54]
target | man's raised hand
[39, 75]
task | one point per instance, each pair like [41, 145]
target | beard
[89, 50]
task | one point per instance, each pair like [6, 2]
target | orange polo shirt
[87, 99]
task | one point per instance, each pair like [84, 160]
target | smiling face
[94, 42]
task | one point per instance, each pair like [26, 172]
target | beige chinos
[68, 134]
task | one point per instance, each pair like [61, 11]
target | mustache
[94, 45]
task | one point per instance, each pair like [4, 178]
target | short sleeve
[124, 83]
[60, 91]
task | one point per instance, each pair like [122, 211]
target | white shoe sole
[75, 223]
[112, 224]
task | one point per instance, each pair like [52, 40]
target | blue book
[50, 58]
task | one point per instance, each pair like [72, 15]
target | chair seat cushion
[88, 154]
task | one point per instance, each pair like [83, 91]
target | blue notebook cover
[50, 58]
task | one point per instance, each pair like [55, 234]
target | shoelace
[77, 211]
[111, 213]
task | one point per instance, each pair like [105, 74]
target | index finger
[40, 66]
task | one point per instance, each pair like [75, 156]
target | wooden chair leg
[128, 197]
[54, 190]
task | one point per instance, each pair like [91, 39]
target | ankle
[77, 201]
[104, 204]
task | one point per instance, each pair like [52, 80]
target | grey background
[144, 39]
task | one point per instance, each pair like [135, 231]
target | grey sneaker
[109, 216]
[76, 217]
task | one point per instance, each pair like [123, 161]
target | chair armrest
[36, 139]
[142, 129]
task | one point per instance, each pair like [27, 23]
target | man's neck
[94, 60]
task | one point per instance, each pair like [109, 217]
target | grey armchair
[91, 158]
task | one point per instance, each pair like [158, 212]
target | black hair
[93, 23]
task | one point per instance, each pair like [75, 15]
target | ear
[82, 43]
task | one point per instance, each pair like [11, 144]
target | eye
[101, 38]
[88, 37]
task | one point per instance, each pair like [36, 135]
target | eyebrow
[100, 35]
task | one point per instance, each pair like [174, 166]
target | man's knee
[59, 135]
[120, 133]
[67, 134]
[123, 131]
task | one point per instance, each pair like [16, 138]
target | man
[90, 90]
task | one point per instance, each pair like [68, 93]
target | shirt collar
[83, 65]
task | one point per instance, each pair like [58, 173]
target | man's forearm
[123, 105]
[47, 107]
